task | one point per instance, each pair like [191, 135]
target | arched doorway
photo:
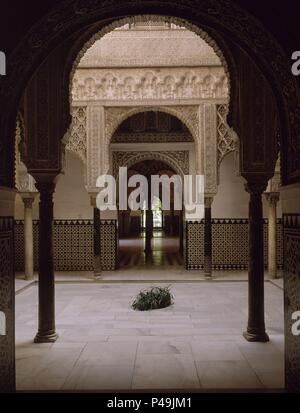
[151, 238]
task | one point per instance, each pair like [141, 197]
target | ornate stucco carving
[114, 116]
[158, 137]
[25, 183]
[173, 45]
[153, 18]
[97, 146]
[178, 160]
[93, 128]
[164, 84]
[77, 139]
[210, 149]
[227, 138]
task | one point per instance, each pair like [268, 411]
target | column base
[272, 275]
[45, 338]
[260, 337]
[97, 266]
[207, 267]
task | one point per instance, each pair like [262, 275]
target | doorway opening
[151, 238]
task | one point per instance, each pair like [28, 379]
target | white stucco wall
[232, 199]
[71, 200]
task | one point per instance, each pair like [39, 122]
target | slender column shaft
[208, 238]
[172, 219]
[46, 332]
[28, 238]
[149, 223]
[97, 242]
[181, 232]
[256, 315]
[272, 198]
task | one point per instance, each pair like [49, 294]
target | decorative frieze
[162, 84]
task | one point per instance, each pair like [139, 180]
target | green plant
[152, 299]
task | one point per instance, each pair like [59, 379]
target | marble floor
[194, 345]
[165, 252]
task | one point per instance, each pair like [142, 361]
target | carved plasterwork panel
[210, 148]
[24, 181]
[147, 137]
[188, 115]
[77, 140]
[150, 84]
[178, 160]
[227, 141]
[97, 145]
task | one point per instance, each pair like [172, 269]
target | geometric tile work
[7, 305]
[109, 245]
[19, 245]
[73, 244]
[194, 245]
[291, 299]
[229, 244]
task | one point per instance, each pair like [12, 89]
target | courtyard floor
[194, 345]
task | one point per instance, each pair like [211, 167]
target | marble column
[207, 237]
[28, 235]
[256, 314]
[172, 219]
[97, 239]
[272, 198]
[181, 232]
[149, 224]
[46, 331]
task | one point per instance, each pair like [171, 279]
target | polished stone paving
[103, 344]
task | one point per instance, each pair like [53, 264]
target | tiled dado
[73, 244]
[229, 244]
[7, 306]
[291, 224]
[109, 245]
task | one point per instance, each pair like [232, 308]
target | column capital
[93, 200]
[28, 202]
[256, 187]
[272, 197]
[208, 200]
[28, 198]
